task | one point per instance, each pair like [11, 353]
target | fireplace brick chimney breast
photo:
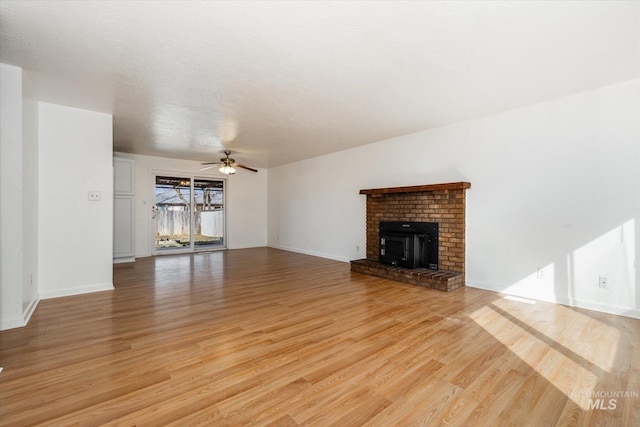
[441, 203]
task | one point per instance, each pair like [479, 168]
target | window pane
[173, 221]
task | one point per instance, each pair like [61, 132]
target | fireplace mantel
[418, 188]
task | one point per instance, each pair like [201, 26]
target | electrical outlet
[603, 282]
[541, 274]
[94, 196]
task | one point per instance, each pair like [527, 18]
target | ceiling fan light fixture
[227, 165]
[227, 169]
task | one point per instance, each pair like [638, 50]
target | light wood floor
[267, 337]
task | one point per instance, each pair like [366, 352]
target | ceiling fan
[227, 165]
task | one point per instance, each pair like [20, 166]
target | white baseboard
[492, 288]
[16, 322]
[312, 253]
[19, 322]
[589, 305]
[124, 260]
[98, 287]
[604, 308]
[26, 314]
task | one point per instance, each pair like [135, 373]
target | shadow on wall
[604, 269]
[599, 274]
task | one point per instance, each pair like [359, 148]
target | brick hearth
[441, 203]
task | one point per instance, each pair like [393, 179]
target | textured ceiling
[278, 82]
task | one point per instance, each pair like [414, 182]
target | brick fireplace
[441, 203]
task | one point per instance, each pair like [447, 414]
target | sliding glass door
[188, 214]
[172, 212]
[208, 209]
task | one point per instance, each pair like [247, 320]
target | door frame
[192, 176]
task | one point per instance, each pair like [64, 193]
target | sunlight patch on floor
[560, 356]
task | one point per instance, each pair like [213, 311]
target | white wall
[18, 198]
[314, 206]
[11, 247]
[553, 185]
[74, 235]
[30, 194]
[247, 209]
[246, 201]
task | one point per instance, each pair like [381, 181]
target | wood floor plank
[268, 337]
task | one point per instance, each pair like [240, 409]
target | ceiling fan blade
[209, 163]
[213, 165]
[246, 167]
